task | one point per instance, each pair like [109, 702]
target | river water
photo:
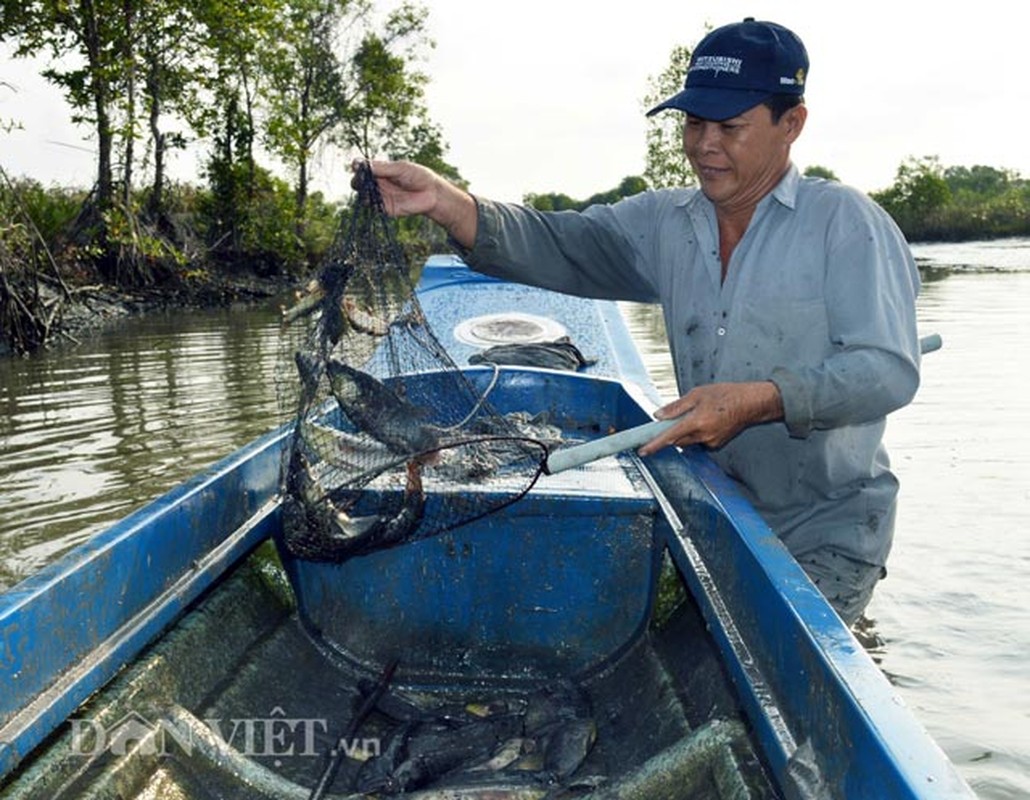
[91, 433]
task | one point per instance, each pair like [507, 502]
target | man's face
[739, 160]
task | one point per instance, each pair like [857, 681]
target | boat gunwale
[874, 742]
[84, 657]
[839, 727]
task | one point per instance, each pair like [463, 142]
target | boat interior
[551, 649]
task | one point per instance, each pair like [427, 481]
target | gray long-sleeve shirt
[819, 298]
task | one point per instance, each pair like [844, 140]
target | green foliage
[933, 203]
[979, 183]
[87, 42]
[555, 201]
[292, 75]
[386, 111]
[15, 234]
[304, 97]
[52, 211]
[919, 187]
[630, 185]
[321, 221]
[174, 81]
[136, 253]
[248, 219]
[22, 306]
[424, 145]
[816, 171]
[665, 164]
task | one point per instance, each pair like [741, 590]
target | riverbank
[87, 310]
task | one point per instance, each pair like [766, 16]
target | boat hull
[556, 584]
[184, 617]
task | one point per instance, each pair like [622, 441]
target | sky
[546, 95]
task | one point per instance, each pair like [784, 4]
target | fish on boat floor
[259, 705]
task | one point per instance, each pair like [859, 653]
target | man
[789, 302]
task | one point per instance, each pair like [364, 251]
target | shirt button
[721, 331]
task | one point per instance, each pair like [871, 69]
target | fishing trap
[392, 442]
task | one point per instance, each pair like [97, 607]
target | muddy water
[91, 433]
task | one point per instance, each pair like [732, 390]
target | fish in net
[392, 442]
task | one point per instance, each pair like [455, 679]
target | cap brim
[714, 104]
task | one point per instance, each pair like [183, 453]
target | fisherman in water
[789, 302]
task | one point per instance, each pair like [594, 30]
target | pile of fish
[542, 739]
[328, 464]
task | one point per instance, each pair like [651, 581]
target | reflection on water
[1001, 255]
[954, 608]
[647, 327]
[90, 434]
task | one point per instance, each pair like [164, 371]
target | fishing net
[392, 442]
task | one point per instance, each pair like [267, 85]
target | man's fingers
[678, 407]
[671, 435]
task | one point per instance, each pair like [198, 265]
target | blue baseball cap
[738, 66]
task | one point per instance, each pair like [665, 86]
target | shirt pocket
[783, 331]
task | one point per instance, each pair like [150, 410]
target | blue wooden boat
[182, 653]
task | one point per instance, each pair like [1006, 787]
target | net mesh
[392, 442]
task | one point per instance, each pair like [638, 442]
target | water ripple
[89, 435]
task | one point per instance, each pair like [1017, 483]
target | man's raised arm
[408, 189]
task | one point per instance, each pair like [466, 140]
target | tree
[665, 164]
[277, 73]
[919, 189]
[979, 181]
[305, 97]
[816, 171]
[118, 62]
[320, 88]
[386, 112]
[92, 32]
[234, 35]
[174, 77]
[94, 44]
[424, 145]
[633, 184]
[551, 201]
[555, 201]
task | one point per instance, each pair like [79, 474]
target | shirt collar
[785, 192]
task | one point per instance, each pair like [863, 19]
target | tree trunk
[302, 197]
[129, 62]
[101, 100]
[248, 136]
[105, 143]
[155, 205]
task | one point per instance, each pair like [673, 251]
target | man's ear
[794, 119]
